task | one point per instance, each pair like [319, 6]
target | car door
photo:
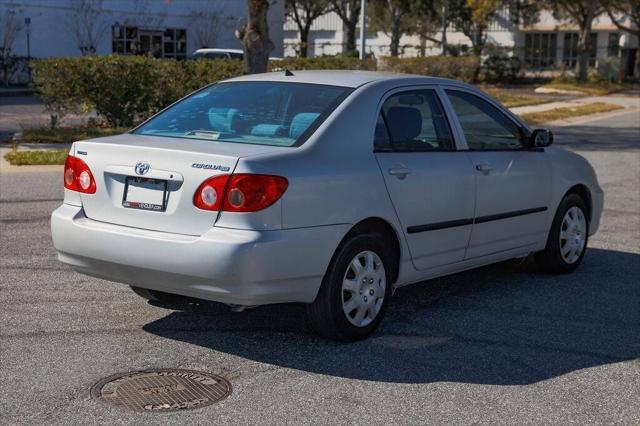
[513, 181]
[431, 185]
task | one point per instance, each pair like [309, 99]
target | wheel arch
[383, 227]
[583, 192]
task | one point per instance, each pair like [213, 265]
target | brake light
[78, 176]
[240, 192]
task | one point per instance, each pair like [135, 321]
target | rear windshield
[266, 113]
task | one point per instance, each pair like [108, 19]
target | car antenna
[288, 73]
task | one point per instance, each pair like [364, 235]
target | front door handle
[484, 168]
[399, 172]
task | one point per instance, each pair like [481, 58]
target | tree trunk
[636, 67]
[304, 41]
[423, 45]
[395, 35]
[583, 54]
[254, 36]
[584, 36]
[478, 43]
[350, 36]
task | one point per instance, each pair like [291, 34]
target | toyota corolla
[328, 188]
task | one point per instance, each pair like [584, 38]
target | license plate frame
[145, 183]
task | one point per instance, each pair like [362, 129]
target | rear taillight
[210, 193]
[239, 192]
[78, 176]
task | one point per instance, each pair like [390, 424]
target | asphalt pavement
[500, 344]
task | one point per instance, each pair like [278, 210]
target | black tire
[326, 313]
[550, 260]
[154, 296]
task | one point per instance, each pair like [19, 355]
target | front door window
[484, 127]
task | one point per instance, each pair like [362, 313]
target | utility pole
[363, 28]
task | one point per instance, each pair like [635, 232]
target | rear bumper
[225, 265]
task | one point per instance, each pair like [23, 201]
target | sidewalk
[626, 101]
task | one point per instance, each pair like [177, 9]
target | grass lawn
[590, 87]
[67, 134]
[37, 157]
[511, 101]
[567, 112]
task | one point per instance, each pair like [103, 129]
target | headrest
[301, 122]
[405, 123]
[221, 119]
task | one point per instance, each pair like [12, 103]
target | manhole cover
[162, 390]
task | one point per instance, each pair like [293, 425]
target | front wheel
[568, 237]
[355, 291]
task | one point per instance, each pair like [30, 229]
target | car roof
[344, 78]
[217, 50]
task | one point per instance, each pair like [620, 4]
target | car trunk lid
[149, 182]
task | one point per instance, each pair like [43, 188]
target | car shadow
[502, 325]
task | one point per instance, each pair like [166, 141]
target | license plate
[145, 194]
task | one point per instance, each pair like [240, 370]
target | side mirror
[540, 138]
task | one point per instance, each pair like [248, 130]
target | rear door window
[413, 121]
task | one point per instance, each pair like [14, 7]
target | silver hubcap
[363, 288]
[573, 235]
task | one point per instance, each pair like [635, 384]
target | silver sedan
[329, 188]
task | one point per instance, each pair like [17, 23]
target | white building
[163, 28]
[546, 44]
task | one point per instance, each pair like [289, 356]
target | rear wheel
[568, 237]
[355, 291]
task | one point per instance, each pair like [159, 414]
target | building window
[170, 43]
[124, 40]
[540, 49]
[570, 51]
[613, 45]
[175, 43]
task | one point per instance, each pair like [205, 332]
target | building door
[151, 43]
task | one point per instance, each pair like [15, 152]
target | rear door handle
[484, 168]
[399, 172]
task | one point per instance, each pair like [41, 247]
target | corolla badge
[142, 167]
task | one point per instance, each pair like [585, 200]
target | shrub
[456, 67]
[501, 68]
[123, 89]
[323, 63]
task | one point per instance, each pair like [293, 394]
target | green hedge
[323, 63]
[124, 90]
[463, 68]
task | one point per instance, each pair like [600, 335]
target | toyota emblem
[142, 167]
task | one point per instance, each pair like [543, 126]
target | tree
[303, 13]
[582, 13]
[472, 17]
[392, 17]
[205, 25]
[87, 25]
[254, 36]
[349, 13]
[425, 21]
[619, 12]
[9, 29]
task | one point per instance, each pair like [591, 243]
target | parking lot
[501, 344]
